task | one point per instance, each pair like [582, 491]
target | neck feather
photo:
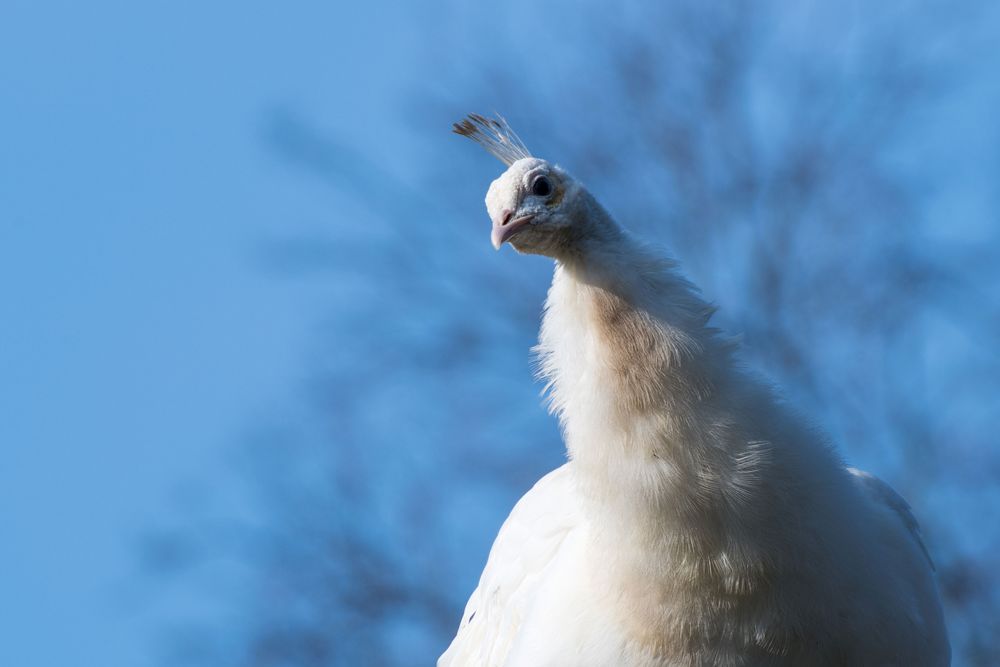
[625, 338]
[640, 383]
[691, 472]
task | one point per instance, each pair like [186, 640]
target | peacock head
[534, 205]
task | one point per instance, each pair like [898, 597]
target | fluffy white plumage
[699, 520]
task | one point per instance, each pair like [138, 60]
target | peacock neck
[625, 338]
[636, 376]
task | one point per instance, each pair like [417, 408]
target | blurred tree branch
[764, 162]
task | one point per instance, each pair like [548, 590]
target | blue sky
[140, 332]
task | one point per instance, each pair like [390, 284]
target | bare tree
[764, 159]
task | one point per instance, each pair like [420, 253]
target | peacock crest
[495, 135]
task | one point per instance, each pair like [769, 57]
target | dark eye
[541, 187]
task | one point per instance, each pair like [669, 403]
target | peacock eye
[541, 187]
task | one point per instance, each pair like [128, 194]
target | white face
[526, 205]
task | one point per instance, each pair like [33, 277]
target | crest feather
[495, 135]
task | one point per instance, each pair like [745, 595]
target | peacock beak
[506, 227]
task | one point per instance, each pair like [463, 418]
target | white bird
[699, 520]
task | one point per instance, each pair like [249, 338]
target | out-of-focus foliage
[776, 151]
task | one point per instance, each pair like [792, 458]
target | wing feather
[882, 493]
[528, 542]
